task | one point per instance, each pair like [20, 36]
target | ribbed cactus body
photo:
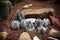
[4, 10]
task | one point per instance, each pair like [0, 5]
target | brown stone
[54, 33]
[55, 21]
[24, 36]
[38, 13]
[3, 35]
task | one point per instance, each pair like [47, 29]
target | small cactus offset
[15, 24]
[30, 27]
[38, 22]
[19, 16]
[42, 30]
[46, 22]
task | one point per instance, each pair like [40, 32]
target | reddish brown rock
[55, 21]
[38, 13]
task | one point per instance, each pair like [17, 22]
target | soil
[14, 34]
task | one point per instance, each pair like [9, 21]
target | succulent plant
[19, 16]
[25, 21]
[38, 22]
[42, 30]
[4, 10]
[15, 24]
[46, 22]
[3, 35]
[30, 27]
[9, 5]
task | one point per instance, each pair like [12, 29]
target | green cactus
[9, 5]
[4, 0]
[4, 10]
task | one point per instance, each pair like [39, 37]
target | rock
[51, 38]
[54, 33]
[15, 24]
[42, 30]
[26, 6]
[3, 35]
[24, 36]
[55, 21]
[30, 4]
[35, 38]
[35, 13]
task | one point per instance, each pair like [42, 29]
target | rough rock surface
[35, 38]
[43, 12]
[24, 36]
[54, 33]
[3, 35]
[55, 21]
